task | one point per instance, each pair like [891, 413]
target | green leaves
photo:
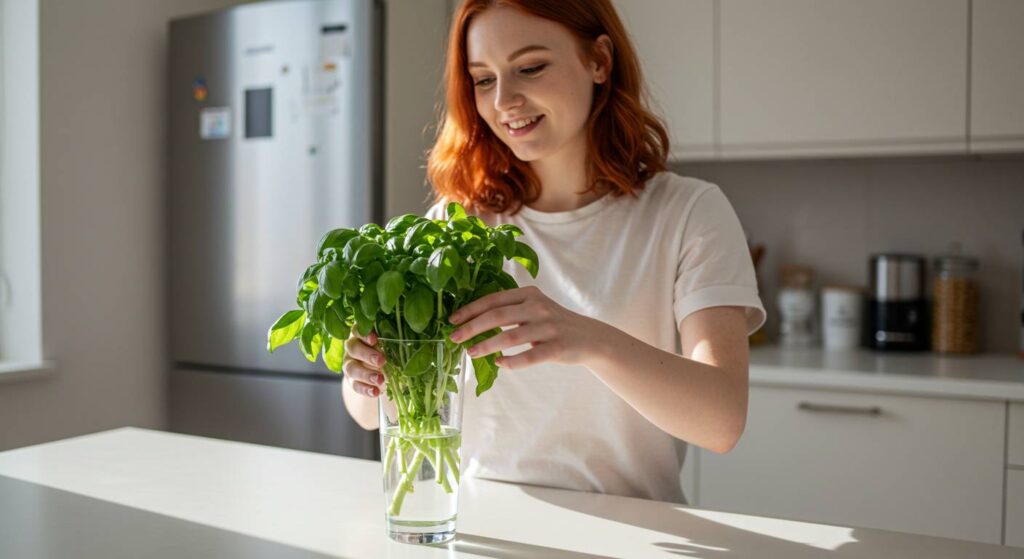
[420, 361]
[334, 322]
[527, 257]
[285, 329]
[334, 353]
[419, 308]
[390, 286]
[455, 212]
[331, 277]
[441, 266]
[310, 341]
[335, 239]
[486, 373]
[402, 281]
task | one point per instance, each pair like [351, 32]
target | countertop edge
[773, 375]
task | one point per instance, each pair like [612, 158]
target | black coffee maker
[896, 313]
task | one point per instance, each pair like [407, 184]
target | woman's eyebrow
[514, 55]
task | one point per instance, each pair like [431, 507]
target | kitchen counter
[140, 493]
[984, 376]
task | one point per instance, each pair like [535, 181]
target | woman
[634, 333]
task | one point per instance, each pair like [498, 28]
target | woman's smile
[522, 127]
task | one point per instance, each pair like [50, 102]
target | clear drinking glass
[421, 436]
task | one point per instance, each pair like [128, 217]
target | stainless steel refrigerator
[274, 137]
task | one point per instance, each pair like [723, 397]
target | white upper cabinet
[842, 77]
[674, 40]
[997, 76]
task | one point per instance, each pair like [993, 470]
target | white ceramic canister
[841, 315]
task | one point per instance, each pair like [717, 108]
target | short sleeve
[438, 210]
[715, 268]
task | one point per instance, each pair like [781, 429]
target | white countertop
[984, 376]
[140, 493]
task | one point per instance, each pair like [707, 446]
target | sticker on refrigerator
[199, 90]
[215, 123]
[334, 42]
[320, 87]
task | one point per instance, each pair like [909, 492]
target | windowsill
[14, 371]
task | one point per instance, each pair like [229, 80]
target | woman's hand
[554, 332]
[362, 364]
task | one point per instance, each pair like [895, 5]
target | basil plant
[403, 281]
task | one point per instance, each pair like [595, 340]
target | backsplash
[833, 214]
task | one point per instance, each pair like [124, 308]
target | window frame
[21, 344]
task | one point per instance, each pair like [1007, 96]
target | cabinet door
[674, 40]
[1015, 508]
[921, 465]
[997, 76]
[837, 77]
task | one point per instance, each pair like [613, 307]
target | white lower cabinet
[1015, 507]
[911, 464]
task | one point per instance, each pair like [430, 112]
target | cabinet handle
[835, 408]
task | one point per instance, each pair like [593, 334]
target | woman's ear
[601, 67]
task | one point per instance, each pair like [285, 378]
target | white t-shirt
[641, 265]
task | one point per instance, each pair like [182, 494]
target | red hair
[626, 143]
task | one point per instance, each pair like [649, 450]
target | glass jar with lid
[955, 303]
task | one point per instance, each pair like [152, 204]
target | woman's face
[527, 70]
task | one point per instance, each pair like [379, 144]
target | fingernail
[456, 336]
[454, 318]
[376, 378]
[378, 359]
[372, 392]
[473, 351]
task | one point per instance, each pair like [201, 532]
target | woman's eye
[484, 82]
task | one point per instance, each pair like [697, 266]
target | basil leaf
[334, 353]
[441, 267]
[486, 372]
[420, 361]
[369, 302]
[285, 329]
[334, 322]
[335, 239]
[455, 211]
[310, 341]
[419, 308]
[331, 280]
[506, 243]
[390, 286]
[367, 253]
[527, 257]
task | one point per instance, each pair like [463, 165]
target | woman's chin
[526, 154]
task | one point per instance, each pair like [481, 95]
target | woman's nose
[507, 97]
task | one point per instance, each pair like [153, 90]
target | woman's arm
[700, 397]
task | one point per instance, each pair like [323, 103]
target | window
[20, 277]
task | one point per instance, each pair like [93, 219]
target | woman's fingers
[364, 389]
[365, 381]
[494, 300]
[369, 339]
[526, 334]
[494, 318]
[356, 348]
[363, 363]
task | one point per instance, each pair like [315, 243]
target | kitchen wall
[102, 67]
[833, 214]
[102, 201]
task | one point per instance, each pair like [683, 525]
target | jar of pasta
[955, 303]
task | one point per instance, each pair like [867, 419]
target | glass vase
[420, 437]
